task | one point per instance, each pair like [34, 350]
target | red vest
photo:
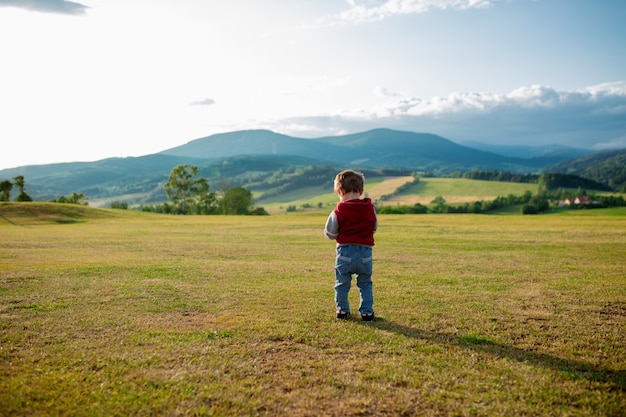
[357, 222]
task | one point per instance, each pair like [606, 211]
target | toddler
[353, 224]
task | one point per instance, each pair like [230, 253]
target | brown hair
[349, 181]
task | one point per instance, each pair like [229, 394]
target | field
[453, 190]
[116, 313]
[458, 190]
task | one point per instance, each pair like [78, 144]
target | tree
[205, 201]
[183, 189]
[543, 184]
[237, 200]
[440, 204]
[5, 190]
[530, 209]
[20, 183]
[73, 199]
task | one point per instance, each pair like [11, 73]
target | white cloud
[369, 11]
[204, 102]
[606, 98]
[47, 6]
[593, 117]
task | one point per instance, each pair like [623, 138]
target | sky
[92, 79]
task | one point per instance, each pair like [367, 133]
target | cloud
[383, 92]
[593, 117]
[370, 11]
[205, 102]
[47, 6]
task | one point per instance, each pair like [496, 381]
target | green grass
[313, 196]
[454, 190]
[459, 190]
[125, 313]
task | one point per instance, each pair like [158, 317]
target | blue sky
[91, 79]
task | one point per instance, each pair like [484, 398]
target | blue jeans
[354, 259]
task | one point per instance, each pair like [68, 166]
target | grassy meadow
[117, 313]
[454, 190]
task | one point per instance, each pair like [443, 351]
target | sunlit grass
[324, 198]
[459, 190]
[453, 190]
[124, 313]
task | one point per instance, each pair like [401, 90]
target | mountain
[550, 154]
[375, 148]
[253, 157]
[608, 167]
[251, 142]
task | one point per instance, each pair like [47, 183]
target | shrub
[530, 209]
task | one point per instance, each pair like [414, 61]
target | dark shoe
[367, 317]
[342, 315]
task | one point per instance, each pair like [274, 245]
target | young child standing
[353, 224]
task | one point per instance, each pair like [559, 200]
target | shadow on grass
[570, 368]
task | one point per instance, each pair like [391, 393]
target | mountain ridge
[373, 148]
[220, 156]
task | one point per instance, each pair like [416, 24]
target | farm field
[458, 190]
[313, 196]
[454, 190]
[114, 313]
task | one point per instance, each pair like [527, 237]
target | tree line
[546, 181]
[6, 186]
[530, 204]
[186, 191]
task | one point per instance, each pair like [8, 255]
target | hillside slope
[105, 178]
[252, 142]
[262, 160]
[374, 148]
[607, 167]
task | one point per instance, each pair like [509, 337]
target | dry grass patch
[387, 186]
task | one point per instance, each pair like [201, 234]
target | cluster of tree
[75, 198]
[439, 205]
[547, 181]
[293, 208]
[6, 186]
[403, 209]
[190, 194]
[120, 205]
[502, 176]
[554, 181]
[607, 167]
[530, 204]
[610, 200]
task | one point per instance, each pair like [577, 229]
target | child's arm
[332, 227]
[376, 223]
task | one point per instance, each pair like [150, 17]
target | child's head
[349, 181]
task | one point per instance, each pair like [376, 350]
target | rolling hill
[608, 167]
[378, 148]
[265, 161]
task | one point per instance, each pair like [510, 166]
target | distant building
[579, 201]
[568, 201]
